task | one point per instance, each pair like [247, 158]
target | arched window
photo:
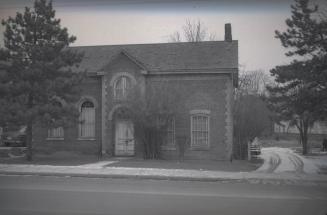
[121, 87]
[56, 133]
[87, 120]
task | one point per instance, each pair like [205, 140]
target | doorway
[124, 138]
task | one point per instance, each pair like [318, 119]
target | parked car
[14, 136]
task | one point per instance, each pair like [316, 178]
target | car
[14, 136]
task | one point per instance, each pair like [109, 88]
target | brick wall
[196, 92]
[119, 66]
[91, 88]
[202, 92]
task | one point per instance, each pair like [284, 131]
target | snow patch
[289, 161]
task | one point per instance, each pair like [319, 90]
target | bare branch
[192, 31]
[175, 37]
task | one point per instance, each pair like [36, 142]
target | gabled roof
[131, 58]
[165, 57]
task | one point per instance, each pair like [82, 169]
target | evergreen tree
[37, 71]
[300, 95]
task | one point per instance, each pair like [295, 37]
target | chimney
[228, 32]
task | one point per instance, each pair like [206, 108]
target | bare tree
[175, 37]
[192, 31]
[152, 113]
[253, 82]
[251, 115]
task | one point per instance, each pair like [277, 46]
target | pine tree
[37, 71]
[300, 95]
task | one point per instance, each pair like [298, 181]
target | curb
[255, 180]
[120, 176]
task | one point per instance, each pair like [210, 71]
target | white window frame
[81, 135]
[200, 113]
[56, 133]
[125, 88]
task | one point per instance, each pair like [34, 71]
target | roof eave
[194, 71]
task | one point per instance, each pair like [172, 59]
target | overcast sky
[106, 22]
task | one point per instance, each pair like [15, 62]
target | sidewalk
[102, 171]
[280, 166]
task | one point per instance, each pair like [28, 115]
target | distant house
[208, 70]
[318, 128]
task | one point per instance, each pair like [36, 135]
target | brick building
[207, 71]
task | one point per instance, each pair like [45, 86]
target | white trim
[87, 98]
[49, 137]
[200, 111]
[80, 124]
[86, 138]
[168, 147]
[123, 81]
[191, 78]
[118, 75]
[55, 138]
[193, 71]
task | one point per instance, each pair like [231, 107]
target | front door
[124, 138]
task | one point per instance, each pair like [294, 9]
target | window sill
[200, 148]
[120, 99]
[168, 147]
[86, 138]
[55, 138]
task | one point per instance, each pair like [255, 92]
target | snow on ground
[278, 160]
[97, 165]
[91, 166]
[320, 161]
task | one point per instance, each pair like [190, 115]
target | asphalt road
[54, 195]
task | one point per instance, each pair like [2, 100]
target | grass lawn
[74, 159]
[57, 159]
[235, 166]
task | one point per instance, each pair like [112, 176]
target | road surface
[65, 195]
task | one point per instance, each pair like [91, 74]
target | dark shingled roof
[210, 55]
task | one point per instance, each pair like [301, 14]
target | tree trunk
[29, 136]
[304, 145]
[29, 130]
[305, 138]
[303, 128]
[240, 144]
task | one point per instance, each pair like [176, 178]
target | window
[121, 87]
[200, 130]
[56, 133]
[170, 132]
[87, 118]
